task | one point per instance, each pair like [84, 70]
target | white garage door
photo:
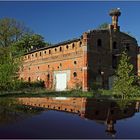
[61, 81]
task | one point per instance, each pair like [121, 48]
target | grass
[40, 92]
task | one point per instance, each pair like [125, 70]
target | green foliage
[9, 67]
[103, 26]
[125, 83]
[11, 31]
[29, 42]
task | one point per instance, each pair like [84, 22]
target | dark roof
[52, 46]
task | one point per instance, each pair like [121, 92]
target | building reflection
[107, 112]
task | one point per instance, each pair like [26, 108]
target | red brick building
[85, 62]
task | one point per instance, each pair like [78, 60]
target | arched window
[48, 77]
[60, 49]
[99, 42]
[114, 45]
[55, 49]
[49, 51]
[67, 46]
[29, 79]
[72, 45]
[36, 55]
[40, 53]
[80, 44]
[74, 74]
[75, 62]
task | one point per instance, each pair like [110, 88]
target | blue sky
[58, 21]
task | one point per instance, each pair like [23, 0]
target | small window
[29, 68]
[75, 62]
[44, 52]
[25, 57]
[60, 49]
[38, 67]
[99, 42]
[40, 53]
[72, 45]
[80, 43]
[48, 77]
[28, 56]
[74, 74]
[32, 55]
[114, 45]
[55, 49]
[67, 46]
[49, 51]
[36, 55]
[60, 65]
[48, 66]
[29, 79]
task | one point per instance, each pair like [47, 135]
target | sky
[59, 21]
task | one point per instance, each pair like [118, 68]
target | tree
[103, 26]
[29, 42]
[125, 82]
[9, 65]
[11, 31]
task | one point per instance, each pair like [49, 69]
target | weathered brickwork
[86, 62]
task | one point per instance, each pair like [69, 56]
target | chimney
[115, 13]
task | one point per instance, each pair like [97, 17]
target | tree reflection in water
[11, 111]
[106, 112]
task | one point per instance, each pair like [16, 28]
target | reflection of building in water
[102, 111]
[75, 105]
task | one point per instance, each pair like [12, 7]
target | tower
[115, 13]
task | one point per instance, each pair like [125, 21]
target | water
[81, 118]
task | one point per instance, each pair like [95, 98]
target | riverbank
[45, 93]
[41, 92]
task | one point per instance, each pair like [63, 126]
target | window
[49, 51]
[67, 46]
[72, 45]
[99, 42]
[55, 49]
[48, 66]
[38, 67]
[75, 62]
[28, 56]
[60, 65]
[40, 53]
[32, 55]
[80, 43]
[114, 45]
[48, 77]
[44, 52]
[60, 49]
[74, 74]
[29, 79]
[36, 55]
